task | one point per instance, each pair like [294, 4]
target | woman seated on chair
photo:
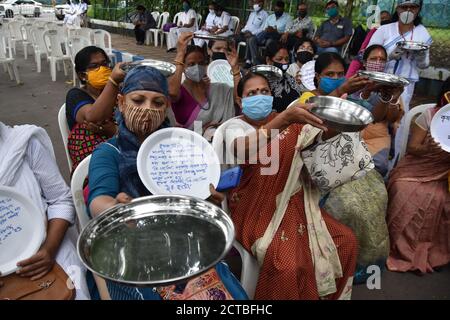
[186, 23]
[305, 50]
[286, 89]
[196, 99]
[384, 102]
[113, 178]
[419, 201]
[360, 204]
[292, 264]
[28, 165]
[89, 109]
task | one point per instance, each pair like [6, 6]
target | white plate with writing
[22, 229]
[307, 75]
[178, 161]
[219, 71]
[440, 127]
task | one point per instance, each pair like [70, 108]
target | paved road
[38, 100]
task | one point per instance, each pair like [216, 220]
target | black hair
[332, 1]
[302, 41]
[279, 4]
[193, 48]
[243, 81]
[83, 58]
[385, 11]
[273, 48]
[417, 20]
[445, 88]
[187, 1]
[325, 59]
[369, 49]
[140, 7]
[218, 7]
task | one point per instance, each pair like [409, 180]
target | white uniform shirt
[209, 22]
[388, 36]
[186, 17]
[255, 22]
[223, 20]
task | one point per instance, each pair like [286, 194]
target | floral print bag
[335, 161]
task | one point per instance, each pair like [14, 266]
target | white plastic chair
[76, 186]
[155, 15]
[39, 46]
[27, 38]
[165, 34]
[234, 24]
[84, 32]
[102, 39]
[74, 44]
[407, 125]
[249, 271]
[162, 20]
[7, 59]
[54, 52]
[15, 33]
[347, 45]
[65, 131]
[198, 21]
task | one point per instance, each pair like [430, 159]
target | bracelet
[178, 63]
[237, 73]
[386, 101]
[113, 82]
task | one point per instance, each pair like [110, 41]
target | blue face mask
[332, 12]
[257, 107]
[328, 85]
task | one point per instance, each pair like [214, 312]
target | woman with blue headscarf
[113, 179]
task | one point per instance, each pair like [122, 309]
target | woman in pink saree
[419, 200]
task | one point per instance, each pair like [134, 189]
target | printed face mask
[282, 66]
[142, 121]
[375, 66]
[195, 73]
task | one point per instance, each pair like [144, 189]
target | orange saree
[287, 271]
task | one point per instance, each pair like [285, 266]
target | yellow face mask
[99, 77]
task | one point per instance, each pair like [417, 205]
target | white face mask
[211, 11]
[256, 7]
[195, 73]
[406, 17]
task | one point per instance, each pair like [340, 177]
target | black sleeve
[75, 99]
[151, 23]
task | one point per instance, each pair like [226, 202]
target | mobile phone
[229, 179]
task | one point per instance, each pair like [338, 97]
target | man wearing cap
[334, 32]
[406, 26]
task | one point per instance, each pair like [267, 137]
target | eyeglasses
[96, 66]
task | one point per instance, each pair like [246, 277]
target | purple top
[186, 108]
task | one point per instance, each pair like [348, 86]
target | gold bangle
[178, 63]
[113, 82]
[236, 73]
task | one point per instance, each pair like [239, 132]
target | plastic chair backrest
[163, 18]
[38, 38]
[75, 44]
[99, 40]
[5, 47]
[234, 24]
[218, 142]
[155, 15]
[26, 31]
[198, 21]
[53, 43]
[176, 18]
[76, 186]
[407, 125]
[85, 32]
[65, 131]
[15, 30]
[347, 45]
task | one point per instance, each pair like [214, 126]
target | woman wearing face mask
[286, 89]
[196, 99]
[89, 109]
[406, 27]
[305, 50]
[217, 49]
[290, 265]
[384, 103]
[113, 179]
[186, 23]
[358, 202]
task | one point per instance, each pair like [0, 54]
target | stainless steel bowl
[413, 45]
[341, 115]
[166, 68]
[270, 72]
[385, 78]
[213, 37]
[156, 240]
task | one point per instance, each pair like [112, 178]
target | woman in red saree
[290, 268]
[419, 202]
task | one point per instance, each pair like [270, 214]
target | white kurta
[219, 22]
[174, 33]
[27, 164]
